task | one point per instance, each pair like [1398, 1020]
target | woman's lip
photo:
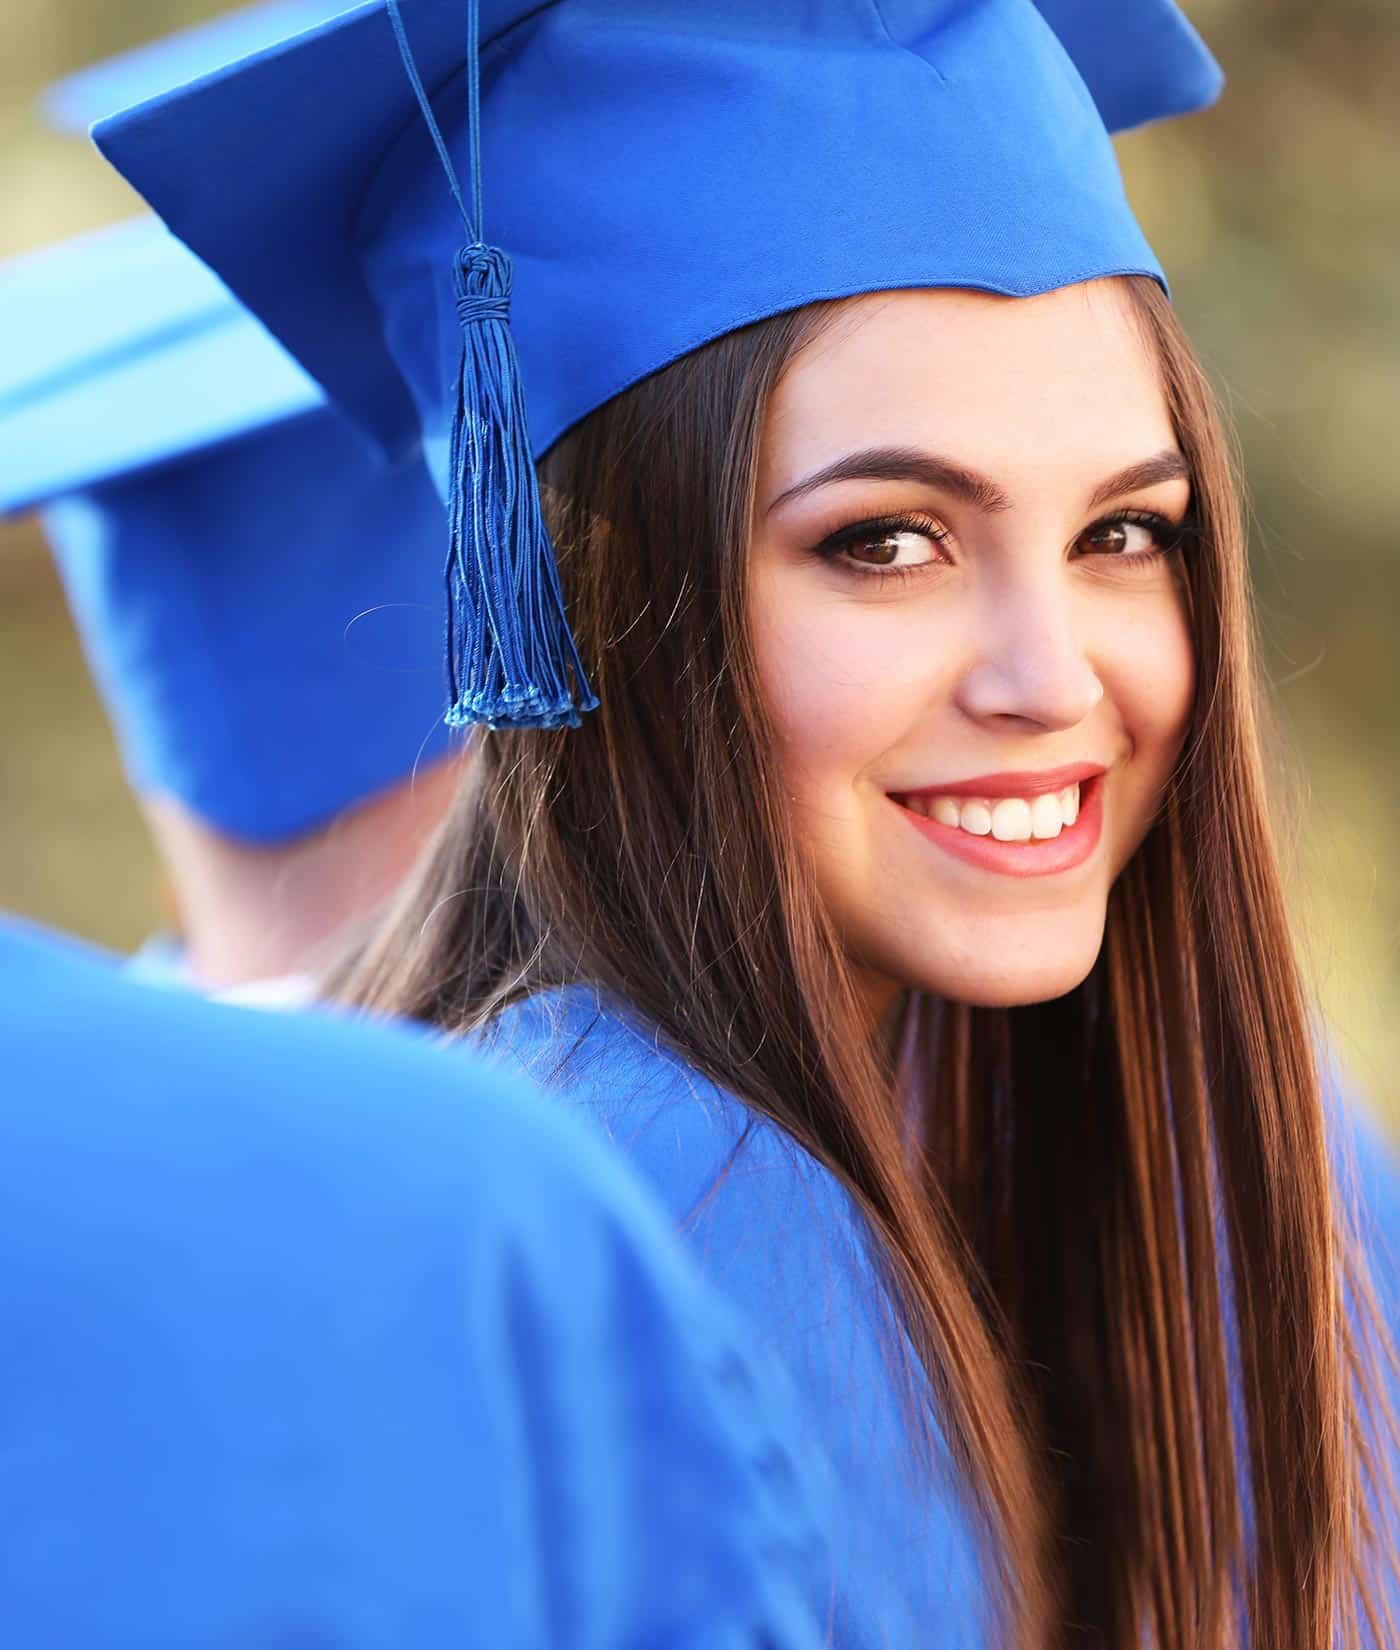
[993, 785]
[1044, 858]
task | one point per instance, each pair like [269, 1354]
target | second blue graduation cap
[659, 173]
[259, 593]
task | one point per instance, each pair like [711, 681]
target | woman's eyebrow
[902, 464]
[929, 469]
[1169, 465]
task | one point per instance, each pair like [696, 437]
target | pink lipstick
[1019, 824]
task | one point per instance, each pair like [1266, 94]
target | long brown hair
[1114, 1246]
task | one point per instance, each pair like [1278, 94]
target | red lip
[1071, 848]
[1015, 784]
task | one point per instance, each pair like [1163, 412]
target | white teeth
[976, 818]
[1009, 819]
[1047, 819]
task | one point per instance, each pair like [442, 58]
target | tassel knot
[512, 660]
[482, 284]
[482, 306]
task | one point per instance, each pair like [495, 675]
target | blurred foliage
[1278, 216]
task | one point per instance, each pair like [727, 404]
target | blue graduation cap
[259, 592]
[75, 102]
[659, 173]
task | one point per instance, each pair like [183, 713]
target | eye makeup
[1165, 535]
[873, 546]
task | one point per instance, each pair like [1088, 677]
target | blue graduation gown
[780, 1237]
[313, 1336]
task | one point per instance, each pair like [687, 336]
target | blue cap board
[659, 173]
[73, 103]
[259, 592]
[315, 1334]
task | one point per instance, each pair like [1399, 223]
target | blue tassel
[511, 657]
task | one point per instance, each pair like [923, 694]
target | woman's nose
[1029, 665]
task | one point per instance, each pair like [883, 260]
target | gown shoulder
[785, 1244]
[315, 1333]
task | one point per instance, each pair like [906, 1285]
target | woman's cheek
[1148, 661]
[843, 679]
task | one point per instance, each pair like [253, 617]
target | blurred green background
[1277, 215]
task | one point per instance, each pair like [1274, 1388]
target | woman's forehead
[1063, 380]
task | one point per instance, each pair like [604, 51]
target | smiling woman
[840, 572]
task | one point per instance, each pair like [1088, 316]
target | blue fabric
[779, 1238]
[1368, 1176]
[260, 594]
[1371, 1184]
[73, 103]
[264, 623]
[1141, 61]
[659, 173]
[312, 1334]
[120, 352]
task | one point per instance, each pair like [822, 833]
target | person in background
[258, 592]
[313, 1334]
[871, 836]
[257, 589]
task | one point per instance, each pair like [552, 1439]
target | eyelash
[1170, 537]
[876, 527]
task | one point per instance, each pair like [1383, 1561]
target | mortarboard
[75, 102]
[258, 591]
[659, 173]
[256, 588]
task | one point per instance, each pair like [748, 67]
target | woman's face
[970, 628]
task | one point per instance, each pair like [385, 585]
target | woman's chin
[1007, 990]
[1004, 975]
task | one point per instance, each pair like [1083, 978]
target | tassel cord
[512, 659]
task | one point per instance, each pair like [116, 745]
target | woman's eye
[1123, 536]
[885, 547]
[893, 550]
